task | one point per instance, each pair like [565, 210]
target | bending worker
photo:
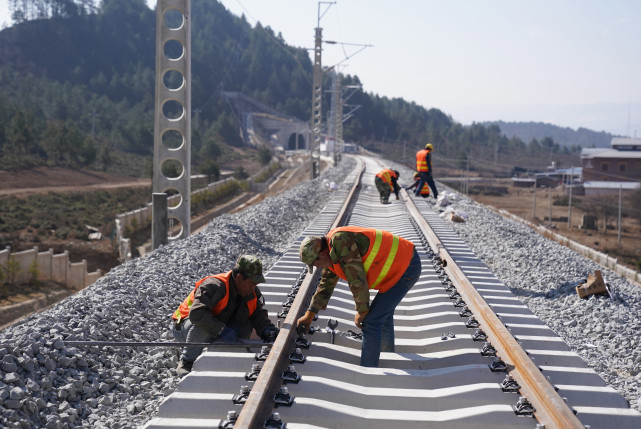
[222, 307]
[424, 169]
[425, 192]
[366, 258]
[386, 181]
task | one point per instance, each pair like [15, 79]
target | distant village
[603, 171]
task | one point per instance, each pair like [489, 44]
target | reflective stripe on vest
[386, 176]
[425, 190]
[183, 310]
[386, 259]
[421, 160]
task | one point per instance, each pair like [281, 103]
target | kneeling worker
[366, 258]
[222, 307]
[425, 192]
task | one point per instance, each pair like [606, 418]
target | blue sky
[572, 63]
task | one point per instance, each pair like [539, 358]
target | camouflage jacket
[347, 249]
[235, 314]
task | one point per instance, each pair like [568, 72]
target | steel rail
[551, 409]
[240, 344]
[260, 402]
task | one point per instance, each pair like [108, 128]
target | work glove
[306, 320]
[228, 335]
[270, 333]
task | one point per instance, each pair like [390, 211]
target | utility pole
[317, 101]
[550, 206]
[534, 205]
[467, 175]
[619, 222]
[338, 120]
[317, 97]
[335, 114]
[570, 199]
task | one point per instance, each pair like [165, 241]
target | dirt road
[42, 180]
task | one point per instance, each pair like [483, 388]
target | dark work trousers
[425, 177]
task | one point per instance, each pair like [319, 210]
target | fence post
[67, 266]
[159, 234]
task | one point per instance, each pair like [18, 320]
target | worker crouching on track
[425, 192]
[366, 258]
[222, 307]
[386, 181]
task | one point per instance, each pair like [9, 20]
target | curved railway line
[468, 354]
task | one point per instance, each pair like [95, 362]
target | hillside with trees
[565, 136]
[77, 90]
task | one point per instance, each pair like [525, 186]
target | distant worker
[222, 307]
[366, 258]
[425, 192]
[386, 181]
[424, 169]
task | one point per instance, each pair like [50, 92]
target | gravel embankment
[604, 331]
[46, 384]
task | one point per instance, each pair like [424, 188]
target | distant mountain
[77, 88]
[528, 131]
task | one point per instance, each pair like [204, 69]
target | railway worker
[222, 307]
[425, 192]
[424, 169]
[366, 258]
[386, 181]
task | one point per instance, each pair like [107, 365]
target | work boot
[184, 367]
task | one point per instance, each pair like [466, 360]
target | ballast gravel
[46, 384]
[604, 330]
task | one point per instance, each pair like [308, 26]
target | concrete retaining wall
[28, 265]
[141, 218]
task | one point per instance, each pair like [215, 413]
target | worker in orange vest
[386, 181]
[424, 169]
[425, 192]
[366, 258]
[222, 307]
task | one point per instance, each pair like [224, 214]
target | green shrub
[34, 271]
[267, 173]
[11, 270]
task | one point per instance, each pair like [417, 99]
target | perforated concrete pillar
[317, 97]
[172, 128]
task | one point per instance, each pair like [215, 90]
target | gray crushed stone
[45, 384]
[604, 331]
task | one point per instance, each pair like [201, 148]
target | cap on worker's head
[250, 267]
[416, 175]
[397, 173]
[309, 250]
[429, 146]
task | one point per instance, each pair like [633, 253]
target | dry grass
[543, 211]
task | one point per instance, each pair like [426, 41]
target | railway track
[469, 354]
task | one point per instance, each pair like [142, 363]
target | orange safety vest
[421, 160]
[183, 311]
[386, 176]
[425, 190]
[386, 259]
